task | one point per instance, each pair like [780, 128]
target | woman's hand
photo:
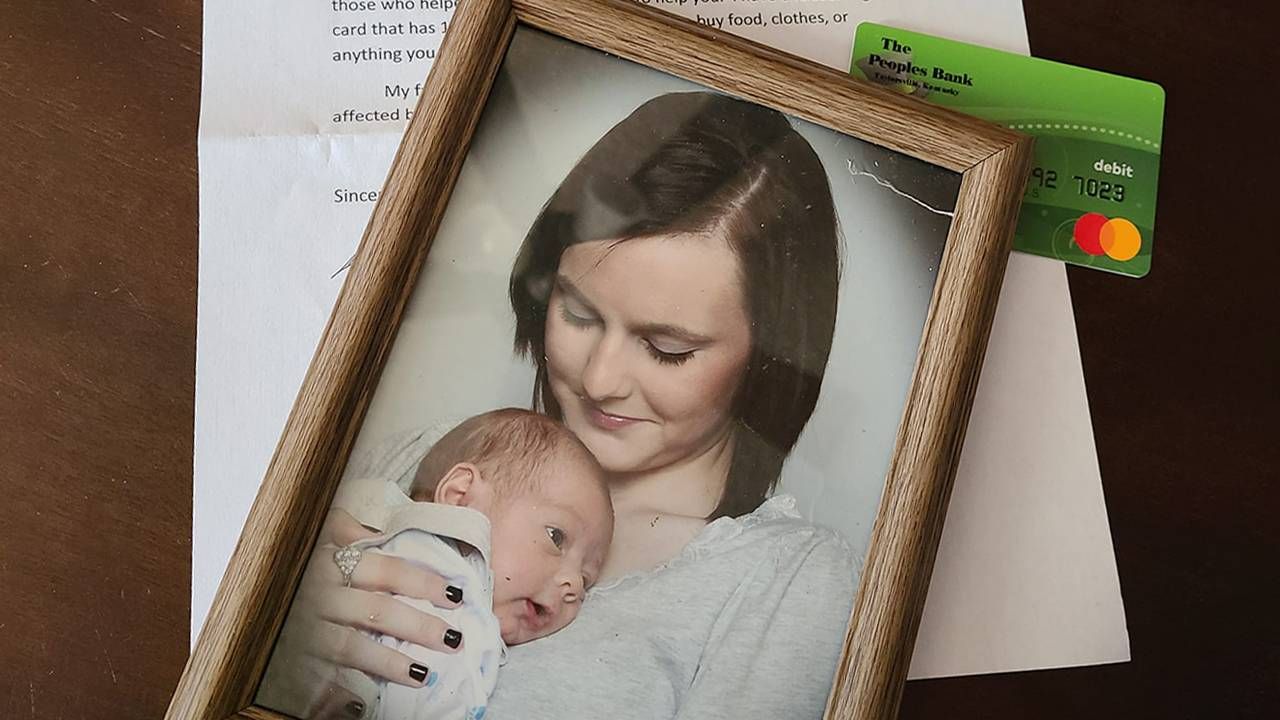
[322, 634]
[334, 613]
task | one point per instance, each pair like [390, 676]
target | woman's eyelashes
[583, 319]
[666, 357]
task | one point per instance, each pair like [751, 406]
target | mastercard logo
[1116, 238]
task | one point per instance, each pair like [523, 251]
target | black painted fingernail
[454, 593]
[418, 672]
[355, 709]
[452, 638]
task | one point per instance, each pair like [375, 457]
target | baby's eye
[556, 535]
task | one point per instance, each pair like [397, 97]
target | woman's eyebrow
[567, 287]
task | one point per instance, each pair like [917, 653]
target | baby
[510, 508]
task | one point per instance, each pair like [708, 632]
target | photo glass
[719, 309]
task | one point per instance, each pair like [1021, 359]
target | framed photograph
[642, 398]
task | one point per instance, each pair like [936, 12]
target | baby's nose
[571, 590]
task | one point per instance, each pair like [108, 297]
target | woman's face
[646, 343]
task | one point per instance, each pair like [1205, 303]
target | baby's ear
[463, 486]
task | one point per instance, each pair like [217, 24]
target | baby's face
[548, 546]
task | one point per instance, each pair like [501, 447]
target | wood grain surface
[98, 109]
[98, 106]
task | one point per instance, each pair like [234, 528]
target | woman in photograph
[677, 295]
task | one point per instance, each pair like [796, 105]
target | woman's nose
[605, 375]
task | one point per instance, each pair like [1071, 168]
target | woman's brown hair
[701, 162]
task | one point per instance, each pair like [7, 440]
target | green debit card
[1091, 197]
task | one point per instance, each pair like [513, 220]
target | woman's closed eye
[578, 318]
[557, 536]
[668, 357]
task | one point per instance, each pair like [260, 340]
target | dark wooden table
[98, 112]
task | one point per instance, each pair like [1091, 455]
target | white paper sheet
[1025, 576]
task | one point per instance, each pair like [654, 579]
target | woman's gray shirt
[746, 623]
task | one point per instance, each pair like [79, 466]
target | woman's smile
[605, 420]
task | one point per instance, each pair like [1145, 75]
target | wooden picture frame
[229, 658]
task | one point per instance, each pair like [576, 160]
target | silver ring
[347, 558]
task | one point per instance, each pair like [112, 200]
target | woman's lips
[608, 421]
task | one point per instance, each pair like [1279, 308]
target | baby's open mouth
[538, 615]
